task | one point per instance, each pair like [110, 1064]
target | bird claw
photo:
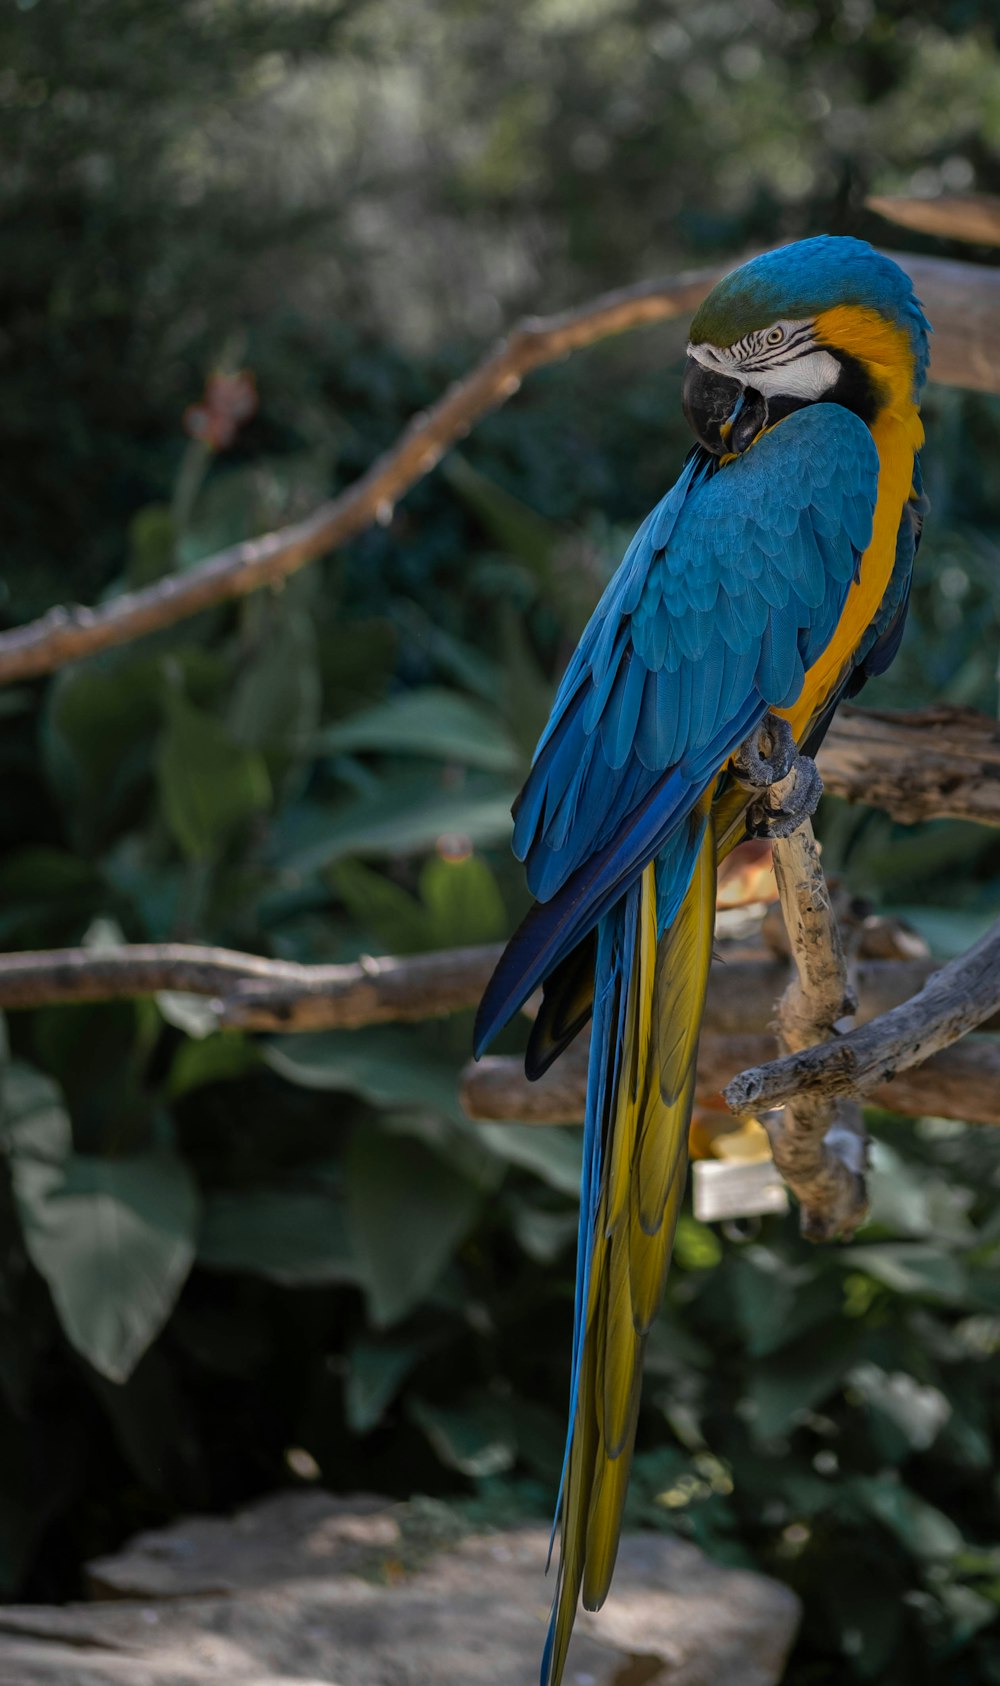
[767, 755]
[798, 804]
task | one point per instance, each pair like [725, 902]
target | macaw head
[828, 320]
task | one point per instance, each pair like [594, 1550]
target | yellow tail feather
[645, 1161]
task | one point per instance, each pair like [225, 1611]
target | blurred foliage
[220, 1252]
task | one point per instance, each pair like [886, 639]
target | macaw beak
[723, 415]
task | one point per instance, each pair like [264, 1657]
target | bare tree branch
[819, 1143]
[955, 1000]
[926, 764]
[251, 993]
[954, 216]
[963, 300]
[960, 1082]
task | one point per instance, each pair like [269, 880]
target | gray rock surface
[308, 1590]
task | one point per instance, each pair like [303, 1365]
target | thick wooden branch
[953, 216]
[928, 763]
[955, 1000]
[818, 1142]
[249, 992]
[963, 301]
[961, 1082]
[64, 635]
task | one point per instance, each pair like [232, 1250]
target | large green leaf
[389, 1067]
[462, 900]
[911, 1268]
[114, 1240]
[275, 705]
[209, 786]
[920, 1527]
[554, 1154]
[476, 1438]
[408, 1213]
[34, 1123]
[406, 815]
[293, 1235]
[439, 724]
[375, 1372]
[397, 920]
[510, 523]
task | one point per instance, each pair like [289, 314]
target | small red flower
[229, 401]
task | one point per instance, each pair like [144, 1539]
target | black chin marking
[782, 404]
[854, 387]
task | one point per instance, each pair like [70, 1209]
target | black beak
[723, 415]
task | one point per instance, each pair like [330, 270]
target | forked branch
[962, 300]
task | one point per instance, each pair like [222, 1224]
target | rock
[310, 1590]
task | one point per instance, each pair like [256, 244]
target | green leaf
[919, 1412]
[388, 1067]
[910, 1268]
[463, 901]
[408, 1212]
[288, 1234]
[407, 815]
[543, 1235]
[511, 524]
[209, 786]
[99, 719]
[221, 1058]
[356, 658]
[375, 1371]
[477, 1439]
[34, 1122]
[918, 1526]
[394, 917]
[554, 1154]
[114, 1240]
[44, 889]
[275, 706]
[800, 1377]
[152, 541]
[439, 724]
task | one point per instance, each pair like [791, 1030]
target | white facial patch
[808, 377]
[783, 358]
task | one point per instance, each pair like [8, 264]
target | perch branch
[961, 1082]
[248, 992]
[929, 763]
[819, 1144]
[953, 216]
[963, 300]
[954, 1000]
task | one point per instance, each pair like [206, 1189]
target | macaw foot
[769, 755]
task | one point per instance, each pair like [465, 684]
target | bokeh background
[346, 1281]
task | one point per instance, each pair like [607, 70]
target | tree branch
[962, 299]
[925, 764]
[955, 1000]
[961, 1082]
[952, 216]
[819, 1144]
[248, 992]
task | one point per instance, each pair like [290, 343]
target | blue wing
[730, 590]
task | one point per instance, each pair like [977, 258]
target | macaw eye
[774, 336]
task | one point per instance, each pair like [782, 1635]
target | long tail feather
[649, 993]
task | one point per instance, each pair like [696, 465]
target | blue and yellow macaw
[771, 581]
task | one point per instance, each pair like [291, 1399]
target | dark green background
[217, 1250]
